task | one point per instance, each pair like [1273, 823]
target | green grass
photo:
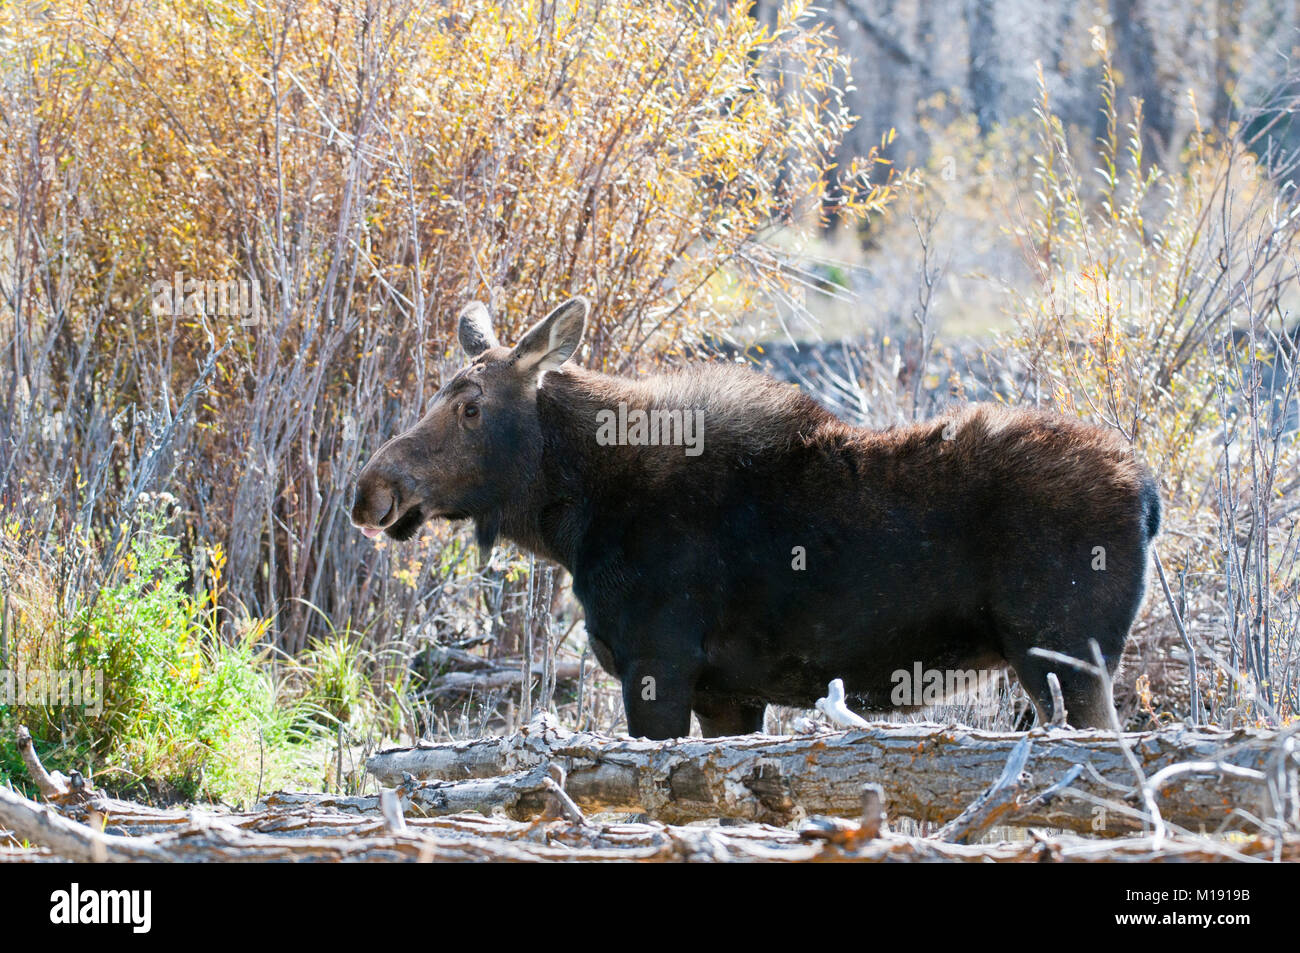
[190, 709]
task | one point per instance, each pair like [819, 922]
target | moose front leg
[654, 645]
[656, 692]
[657, 697]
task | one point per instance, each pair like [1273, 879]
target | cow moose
[790, 548]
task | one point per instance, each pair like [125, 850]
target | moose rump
[787, 548]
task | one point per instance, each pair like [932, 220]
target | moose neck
[592, 458]
[551, 516]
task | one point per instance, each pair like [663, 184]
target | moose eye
[470, 410]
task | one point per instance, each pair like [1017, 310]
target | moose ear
[475, 330]
[553, 340]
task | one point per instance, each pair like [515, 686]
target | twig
[873, 810]
[1000, 799]
[1058, 701]
[1187, 642]
[52, 786]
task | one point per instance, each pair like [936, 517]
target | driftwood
[463, 673]
[1075, 780]
[299, 835]
[521, 795]
[396, 826]
[1002, 801]
[424, 820]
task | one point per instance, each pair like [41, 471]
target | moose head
[479, 446]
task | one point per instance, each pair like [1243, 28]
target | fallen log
[523, 794]
[462, 674]
[520, 796]
[929, 773]
[324, 827]
[68, 839]
[1001, 801]
[492, 679]
[336, 837]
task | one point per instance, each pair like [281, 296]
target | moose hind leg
[719, 719]
[1087, 698]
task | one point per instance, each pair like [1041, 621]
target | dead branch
[1003, 799]
[336, 837]
[468, 674]
[522, 794]
[50, 785]
[68, 839]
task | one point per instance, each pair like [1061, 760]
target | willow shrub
[237, 235]
[1162, 310]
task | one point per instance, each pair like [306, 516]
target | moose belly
[900, 668]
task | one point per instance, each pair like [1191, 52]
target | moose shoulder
[733, 544]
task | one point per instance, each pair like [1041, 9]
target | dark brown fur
[962, 542]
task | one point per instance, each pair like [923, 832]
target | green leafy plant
[182, 703]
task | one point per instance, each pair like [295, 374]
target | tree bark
[984, 73]
[929, 773]
[1135, 55]
[326, 836]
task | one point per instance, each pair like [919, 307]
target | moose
[791, 548]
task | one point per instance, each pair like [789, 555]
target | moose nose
[373, 504]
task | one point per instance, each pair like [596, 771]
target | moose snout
[375, 503]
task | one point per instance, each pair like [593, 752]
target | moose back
[734, 545]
